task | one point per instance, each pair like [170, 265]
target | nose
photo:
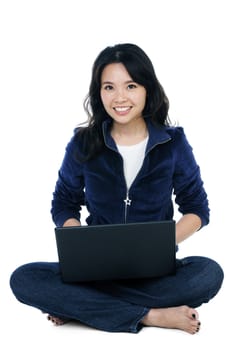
[120, 96]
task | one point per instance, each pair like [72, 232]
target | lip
[122, 110]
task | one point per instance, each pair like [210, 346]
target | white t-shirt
[133, 157]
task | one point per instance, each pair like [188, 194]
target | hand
[186, 226]
[72, 222]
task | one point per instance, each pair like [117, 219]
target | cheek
[102, 97]
[143, 100]
[105, 99]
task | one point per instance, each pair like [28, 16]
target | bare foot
[181, 317]
[57, 321]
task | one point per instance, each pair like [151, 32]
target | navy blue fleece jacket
[169, 168]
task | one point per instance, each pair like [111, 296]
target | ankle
[148, 319]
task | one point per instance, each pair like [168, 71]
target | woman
[124, 165]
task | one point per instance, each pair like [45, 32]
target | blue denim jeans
[116, 306]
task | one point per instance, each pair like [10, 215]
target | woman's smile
[122, 110]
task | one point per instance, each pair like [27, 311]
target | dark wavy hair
[141, 70]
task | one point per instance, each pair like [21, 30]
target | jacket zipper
[127, 202]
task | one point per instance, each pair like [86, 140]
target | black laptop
[120, 251]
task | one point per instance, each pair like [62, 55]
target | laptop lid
[120, 251]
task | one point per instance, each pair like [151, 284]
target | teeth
[121, 109]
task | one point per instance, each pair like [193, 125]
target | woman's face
[123, 99]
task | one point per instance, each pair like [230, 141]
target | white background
[47, 51]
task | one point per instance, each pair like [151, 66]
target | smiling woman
[120, 93]
[124, 100]
[124, 166]
[122, 70]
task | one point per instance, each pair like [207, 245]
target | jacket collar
[157, 134]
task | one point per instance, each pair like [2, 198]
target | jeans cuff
[137, 325]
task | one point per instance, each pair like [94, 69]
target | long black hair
[141, 70]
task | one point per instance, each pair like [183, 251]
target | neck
[129, 134]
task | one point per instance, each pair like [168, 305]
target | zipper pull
[127, 201]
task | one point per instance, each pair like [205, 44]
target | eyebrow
[110, 82]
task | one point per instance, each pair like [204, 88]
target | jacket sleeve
[68, 196]
[188, 185]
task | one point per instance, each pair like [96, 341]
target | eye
[131, 86]
[108, 87]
